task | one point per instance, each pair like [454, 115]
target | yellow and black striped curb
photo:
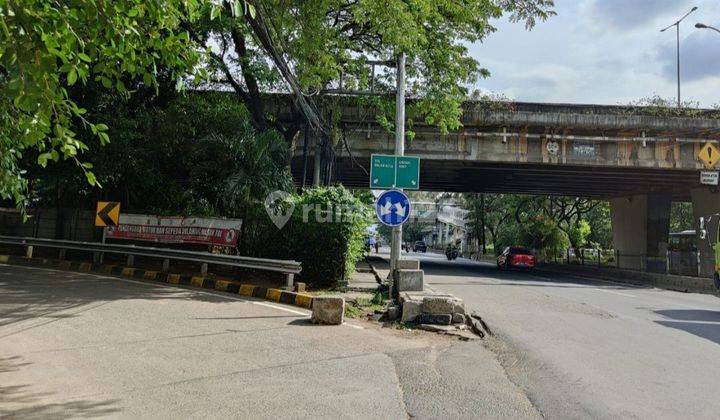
[223, 285]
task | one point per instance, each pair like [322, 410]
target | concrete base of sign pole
[409, 281]
[289, 279]
[408, 264]
[130, 260]
[166, 265]
[203, 269]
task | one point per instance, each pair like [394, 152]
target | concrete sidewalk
[82, 345]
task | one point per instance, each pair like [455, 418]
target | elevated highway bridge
[554, 149]
[640, 159]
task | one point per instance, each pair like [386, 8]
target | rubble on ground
[431, 308]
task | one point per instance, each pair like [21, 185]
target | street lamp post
[677, 31]
[704, 26]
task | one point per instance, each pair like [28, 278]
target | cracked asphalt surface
[581, 348]
[82, 345]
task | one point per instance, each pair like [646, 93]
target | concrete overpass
[635, 157]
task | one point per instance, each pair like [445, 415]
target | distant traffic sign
[392, 208]
[107, 214]
[709, 177]
[709, 155]
[390, 171]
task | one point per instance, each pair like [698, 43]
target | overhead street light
[704, 26]
[677, 31]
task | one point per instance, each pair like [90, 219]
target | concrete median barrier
[408, 264]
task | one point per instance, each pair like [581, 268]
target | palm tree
[260, 164]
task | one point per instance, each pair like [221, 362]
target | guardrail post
[289, 282]
[130, 260]
[61, 254]
[166, 265]
[28, 251]
[203, 269]
[667, 261]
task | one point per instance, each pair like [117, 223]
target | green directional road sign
[389, 171]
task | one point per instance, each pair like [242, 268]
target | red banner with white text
[176, 230]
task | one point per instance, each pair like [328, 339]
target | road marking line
[269, 305]
[616, 293]
[353, 326]
[202, 292]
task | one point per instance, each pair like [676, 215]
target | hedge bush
[326, 233]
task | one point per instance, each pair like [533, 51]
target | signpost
[392, 171]
[709, 155]
[392, 208]
[399, 151]
[107, 213]
[709, 177]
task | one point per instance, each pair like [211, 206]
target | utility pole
[395, 248]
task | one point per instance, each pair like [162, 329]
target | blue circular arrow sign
[392, 208]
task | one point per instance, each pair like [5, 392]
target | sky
[605, 52]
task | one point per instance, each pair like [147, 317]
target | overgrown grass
[363, 306]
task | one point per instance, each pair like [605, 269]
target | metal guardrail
[686, 263]
[287, 267]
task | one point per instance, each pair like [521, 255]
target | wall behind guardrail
[75, 224]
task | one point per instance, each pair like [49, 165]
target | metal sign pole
[104, 235]
[399, 151]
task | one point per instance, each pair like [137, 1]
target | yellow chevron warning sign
[107, 214]
[709, 155]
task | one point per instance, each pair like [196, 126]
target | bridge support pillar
[641, 226]
[706, 202]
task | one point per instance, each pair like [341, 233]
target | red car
[516, 257]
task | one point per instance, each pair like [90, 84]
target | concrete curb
[643, 279]
[222, 285]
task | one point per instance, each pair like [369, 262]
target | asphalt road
[581, 348]
[82, 345]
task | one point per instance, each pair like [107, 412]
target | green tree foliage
[542, 233]
[195, 154]
[681, 217]
[307, 46]
[48, 47]
[326, 233]
[578, 232]
[600, 223]
[507, 218]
